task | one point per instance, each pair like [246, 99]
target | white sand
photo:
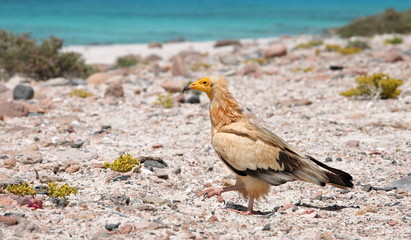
[107, 54]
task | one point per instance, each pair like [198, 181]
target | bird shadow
[332, 208]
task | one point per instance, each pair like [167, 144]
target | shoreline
[107, 54]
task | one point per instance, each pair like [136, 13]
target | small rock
[152, 199]
[328, 159]
[179, 98]
[3, 88]
[393, 57]
[114, 90]
[112, 226]
[126, 228]
[227, 42]
[78, 82]
[121, 178]
[267, 227]
[153, 164]
[392, 222]
[275, 50]
[60, 81]
[229, 60]
[6, 200]
[47, 178]
[352, 143]
[295, 102]
[23, 92]
[10, 162]
[193, 99]
[8, 220]
[371, 208]
[213, 218]
[121, 200]
[161, 173]
[77, 144]
[98, 78]
[403, 184]
[250, 69]
[367, 187]
[155, 45]
[61, 203]
[336, 68]
[177, 171]
[173, 86]
[152, 58]
[31, 158]
[72, 169]
[13, 109]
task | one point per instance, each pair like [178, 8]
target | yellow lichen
[165, 100]
[256, 60]
[298, 69]
[378, 85]
[342, 50]
[21, 189]
[309, 44]
[80, 93]
[199, 66]
[61, 192]
[124, 163]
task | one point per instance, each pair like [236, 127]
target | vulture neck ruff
[224, 109]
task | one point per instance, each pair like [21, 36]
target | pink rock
[114, 90]
[6, 200]
[251, 69]
[353, 143]
[13, 109]
[152, 58]
[227, 42]
[98, 78]
[275, 50]
[8, 220]
[73, 169]
[178, 67]
[173, 86]
[393, 57]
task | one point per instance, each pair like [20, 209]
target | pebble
[77, 144]
[31, 157]
[23, 92]
[193, 99]
[328, 159]
[114, 90]
[126, 228]
[150, 164]
[112, 226]
[73, 168]
[352, 143]
[267, 227]
[8, 220]
[162, 173]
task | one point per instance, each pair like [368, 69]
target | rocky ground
[293, 92]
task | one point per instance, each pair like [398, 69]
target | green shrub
[80, 93]
[378, 85]
[358, 44]
[389, 21]
[342, 50]
[309, 44]
[124, 163]
[394, 40]
[127, 61]
[21, 189]
[61, 192]
[21, 54]
[164, 100]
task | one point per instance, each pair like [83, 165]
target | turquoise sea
[138, 21]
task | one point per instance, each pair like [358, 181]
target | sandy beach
[293, 92]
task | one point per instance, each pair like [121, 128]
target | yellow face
[203, 84]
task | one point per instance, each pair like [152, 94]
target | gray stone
[112, 226]
[403, 184]
[23, 92]
[60, 81]
[31, 158]
[78, 81]
[193, 99]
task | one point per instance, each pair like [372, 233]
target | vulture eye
[204, 82]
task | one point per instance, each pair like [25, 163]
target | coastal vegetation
[378, 85]
[124, 163]
[389, 21]
[21, 54]
[127, 61]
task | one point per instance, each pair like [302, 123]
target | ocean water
[82, 22]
